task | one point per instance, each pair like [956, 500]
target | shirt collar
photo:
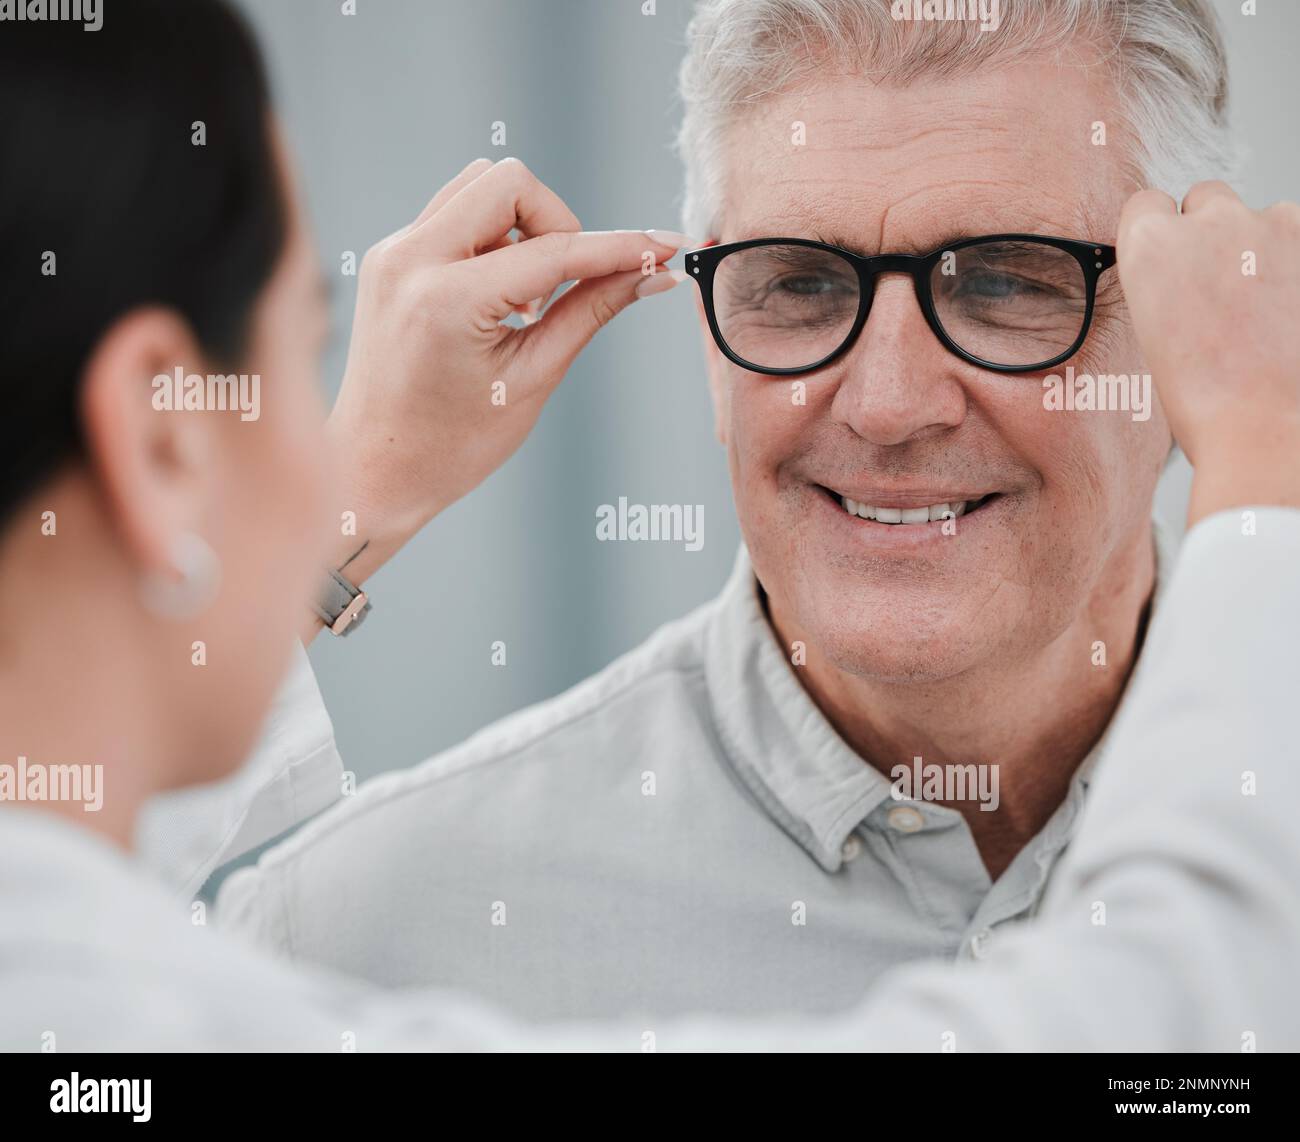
[782, 746]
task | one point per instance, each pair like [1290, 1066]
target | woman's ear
[148, 460]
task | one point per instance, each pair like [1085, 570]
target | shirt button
[905, 819]
[979, 943]
[851, 849]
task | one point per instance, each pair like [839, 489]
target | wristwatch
[342, 604]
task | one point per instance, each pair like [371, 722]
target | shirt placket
[1018, 891]
[930, 851]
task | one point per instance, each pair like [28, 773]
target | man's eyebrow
[1025, 223]
[832, 239]
[854, 247]
[959, 234]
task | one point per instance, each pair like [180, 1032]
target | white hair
[1167, 57]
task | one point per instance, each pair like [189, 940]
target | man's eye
[805, 285]
[993, 286]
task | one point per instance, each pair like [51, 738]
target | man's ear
[149, 462]
[716, 363]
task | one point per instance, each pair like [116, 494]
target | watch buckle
[348, 614]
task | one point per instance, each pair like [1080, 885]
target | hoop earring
[192, 586]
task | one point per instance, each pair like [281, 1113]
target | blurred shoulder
[591, 739]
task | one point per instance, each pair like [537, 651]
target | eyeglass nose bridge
[891, 264]
[869, 271]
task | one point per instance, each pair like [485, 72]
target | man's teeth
[904, 515]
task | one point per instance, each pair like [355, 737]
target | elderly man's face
[899, 420]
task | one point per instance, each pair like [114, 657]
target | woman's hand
[1215, 298]
[438, 393]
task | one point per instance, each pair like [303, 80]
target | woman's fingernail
[670, 238]
[659, 282]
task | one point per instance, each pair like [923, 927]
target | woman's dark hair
[101, 167]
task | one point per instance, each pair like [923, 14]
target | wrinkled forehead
[1033, 147]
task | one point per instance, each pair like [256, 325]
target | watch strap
[342, 605]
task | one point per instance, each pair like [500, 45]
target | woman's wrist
[374, 516]
[370, 524]
[356, 553]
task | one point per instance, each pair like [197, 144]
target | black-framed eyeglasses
[1012, 303]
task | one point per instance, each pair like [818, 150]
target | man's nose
[898, 383]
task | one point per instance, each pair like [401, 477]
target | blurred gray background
[384, 107]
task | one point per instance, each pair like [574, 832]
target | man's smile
[900, 520]
[908, 507]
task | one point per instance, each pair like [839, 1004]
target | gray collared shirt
[683, 832]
